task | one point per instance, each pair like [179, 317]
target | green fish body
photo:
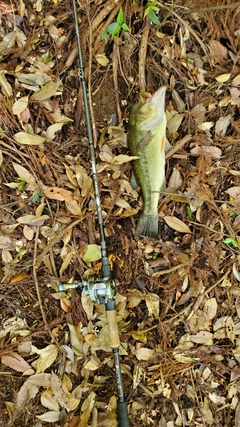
[147, 140]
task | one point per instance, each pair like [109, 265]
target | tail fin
[148, 226]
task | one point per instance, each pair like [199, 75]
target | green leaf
[146, 11]
[189, 213]
[113, 29]
[232, 241]
[155, 255]
[105, 35]
[152, 15]
[120, 18]
[23, 182]
[37, 196]
[47, 58]
[125, 27]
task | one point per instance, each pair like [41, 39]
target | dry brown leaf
[52, 129]
[144, 353]
[174, 123]
[32, 219]
[236, 80]
[47, 356]
[222, 124]
[210, 308]
[237, 416]
[66, 262]
[152, 302]
[5, 86]
[8, 41]
[236, 272]
[65, 304]
[76, 339]
[34, 79]
[28, 138]
[178, 101]
[219, 53]
[223, 78]
[123, 158]
[177, 224]
[15, 361]
[20, 105]
[50, 417]
[212, 152]
[58, 193]
[86, 409]
[230, 329]
[234, 192]
[102, 59]
[202, 337]
[49, 400]
[74, 207]
[28, 232]
[175, 181]
[48, 90]
[24, 173]
[19, 277]
[30, 388]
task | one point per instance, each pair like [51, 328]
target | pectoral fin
[143, 143]
[133, 181]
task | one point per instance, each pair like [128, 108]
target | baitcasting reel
[100, 290]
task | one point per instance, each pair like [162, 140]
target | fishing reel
[100, 290]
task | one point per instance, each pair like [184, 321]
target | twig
[211, 8]
[169, 270]
[36, 282]
[115, 77]
[178, 146]
[108, 7]
[142, 55]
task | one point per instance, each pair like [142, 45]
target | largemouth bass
[147, 140]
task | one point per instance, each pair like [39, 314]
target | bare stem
[142, 56]
[115, 77]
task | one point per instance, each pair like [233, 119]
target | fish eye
[136, 102]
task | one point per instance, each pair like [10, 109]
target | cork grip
[113, 328]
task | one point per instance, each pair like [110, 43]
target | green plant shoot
[115, 27]
[22, 183]
[150, 11]
[232, 241]
[37, 196]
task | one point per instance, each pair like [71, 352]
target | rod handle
[123, 420]
[113, 328]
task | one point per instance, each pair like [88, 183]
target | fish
[147, 140]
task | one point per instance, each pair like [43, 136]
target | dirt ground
[178, 301]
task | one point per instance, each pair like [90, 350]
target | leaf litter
[178, 302]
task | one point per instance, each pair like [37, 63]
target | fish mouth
[158, 98]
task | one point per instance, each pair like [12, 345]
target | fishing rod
[101, 290]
